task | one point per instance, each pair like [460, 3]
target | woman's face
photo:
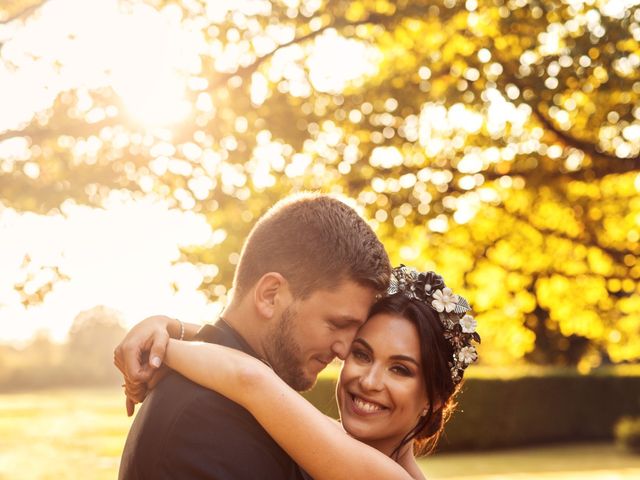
[381, 391]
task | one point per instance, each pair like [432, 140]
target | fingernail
[155, 361]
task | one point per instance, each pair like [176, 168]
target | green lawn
[69, 434]
[64, 434]
[554, 462]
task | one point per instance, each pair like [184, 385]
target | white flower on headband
[459, 328]
[444, 299]
[467, 355]
[468, 324]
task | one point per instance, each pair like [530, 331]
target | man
[308, 273]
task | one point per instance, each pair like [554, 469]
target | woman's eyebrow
[393, 357]
[405, 358]
[363, 343]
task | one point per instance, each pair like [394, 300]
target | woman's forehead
[390, 332]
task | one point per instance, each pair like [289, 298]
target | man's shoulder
[178, 397]
[183, 426]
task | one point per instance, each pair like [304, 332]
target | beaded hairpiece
[459, 326]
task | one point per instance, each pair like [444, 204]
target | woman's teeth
[366, 406]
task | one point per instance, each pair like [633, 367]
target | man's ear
[271, 290]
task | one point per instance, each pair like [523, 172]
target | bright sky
[142, 53]
[121, 256]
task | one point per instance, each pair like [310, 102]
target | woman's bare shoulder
[414, 470]
[409, 463]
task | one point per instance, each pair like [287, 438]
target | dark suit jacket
[184, 431]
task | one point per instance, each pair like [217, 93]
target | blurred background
[495, 141]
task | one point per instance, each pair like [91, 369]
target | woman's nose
[371, 379]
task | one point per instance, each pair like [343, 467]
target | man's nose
[342, 345]
[340, 350]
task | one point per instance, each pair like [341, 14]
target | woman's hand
[139, 356]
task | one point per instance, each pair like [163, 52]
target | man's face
[310, 333]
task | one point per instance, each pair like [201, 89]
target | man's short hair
[315, 241]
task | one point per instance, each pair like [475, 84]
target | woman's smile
[364, 407]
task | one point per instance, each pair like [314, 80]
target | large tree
[497, 141]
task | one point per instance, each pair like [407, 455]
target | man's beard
[284, 352]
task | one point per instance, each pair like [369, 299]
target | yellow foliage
[456, 46]
[624, 344]
[526, 301]
[586, 323]
[628, 45]
[503, 338]
[355, 11]
[630, 305]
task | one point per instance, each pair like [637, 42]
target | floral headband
[459, 327]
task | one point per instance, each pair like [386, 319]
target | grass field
[553, 462]
[79, 434]
[65, 434]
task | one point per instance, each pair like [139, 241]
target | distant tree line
[86, 359]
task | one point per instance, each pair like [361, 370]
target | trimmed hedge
[524, 410]
[627, 433]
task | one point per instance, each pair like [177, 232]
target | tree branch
[604, 163]
[587, 147]
[23, 14]
[340, 23]
[617, 255]
[79, 129]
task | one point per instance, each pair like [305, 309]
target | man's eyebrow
[348, 319]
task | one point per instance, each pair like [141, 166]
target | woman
[395, 392]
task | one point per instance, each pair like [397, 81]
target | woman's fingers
[136, 392]
[139, 355]
[158, 348]
[142, 350]
[131, 406]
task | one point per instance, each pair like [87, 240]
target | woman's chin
[357, 428]
[362, 428]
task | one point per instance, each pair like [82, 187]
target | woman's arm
[171, 325]
[173, 328]
[145, 343]
[307, 435]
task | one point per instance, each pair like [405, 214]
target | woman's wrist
[175, 328]
[180, 335]
[169, 352]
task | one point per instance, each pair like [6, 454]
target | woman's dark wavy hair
[435, 354]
